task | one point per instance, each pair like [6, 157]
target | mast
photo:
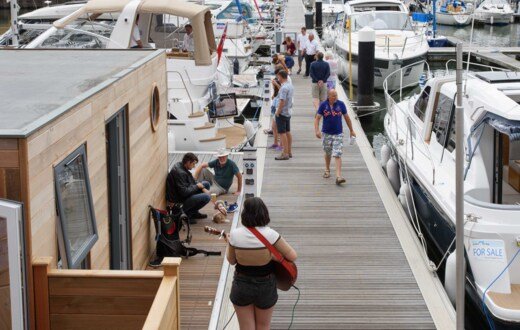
[434, 19]
[14, 21]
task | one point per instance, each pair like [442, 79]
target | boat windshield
[381, 21]
[81, 33]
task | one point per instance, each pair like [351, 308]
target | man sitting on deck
[181, 187]
[225, 170]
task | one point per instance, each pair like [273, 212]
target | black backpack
[168, 224]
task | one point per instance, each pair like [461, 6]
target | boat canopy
[199, 17]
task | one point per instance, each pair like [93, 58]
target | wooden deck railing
[107, 299]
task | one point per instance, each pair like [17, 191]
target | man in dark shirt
[320, 72]
[181, 187]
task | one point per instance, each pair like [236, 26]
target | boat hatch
[496, 77]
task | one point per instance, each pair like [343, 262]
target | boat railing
[185, 87]
[393, 107]
[492, 68]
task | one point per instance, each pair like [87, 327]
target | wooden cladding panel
[101, 305]
[5, 308]
[96, 322]
[86, 124]
[103, 287]
[9, 158]
[10, 186]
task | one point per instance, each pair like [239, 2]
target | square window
[77, 230]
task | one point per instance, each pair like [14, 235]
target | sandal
[340, 180]
[268, 131]
[326, 174]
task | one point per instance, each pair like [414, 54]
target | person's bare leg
[327, 162]
[283, 138]
[275, 132]
[338, 166]
[316, 103]
[246, 317]
[289, 143]
[263, 318]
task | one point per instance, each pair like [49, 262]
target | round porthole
[155, 107]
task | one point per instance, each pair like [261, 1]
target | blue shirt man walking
[332, 110]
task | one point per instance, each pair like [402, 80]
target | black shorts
[258, 291]
[283, 124]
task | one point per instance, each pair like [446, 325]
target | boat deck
[359, 267]
[200, 274]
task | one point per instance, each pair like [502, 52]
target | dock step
[218, 137]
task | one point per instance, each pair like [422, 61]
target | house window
[155, 107]
[77, 230]
[444, 122]
[422, 103]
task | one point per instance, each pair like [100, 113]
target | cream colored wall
[85, 123]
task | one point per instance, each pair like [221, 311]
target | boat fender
[392, 171]
[405, 197]
[385, 155]
[450, 277]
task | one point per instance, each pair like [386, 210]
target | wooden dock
[494, 56]
[359, 262]
[200, 274]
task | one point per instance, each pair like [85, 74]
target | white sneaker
[352, 140]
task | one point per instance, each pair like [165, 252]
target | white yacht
[191, 76]
[494, 12]
[421, 141]
[332, 11]
[398, 42]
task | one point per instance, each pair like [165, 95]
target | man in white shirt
[301, 42]
[187, 43]
[311, 48]
[135, 38]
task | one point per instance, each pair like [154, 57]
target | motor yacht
[419, 159]
[398, 43]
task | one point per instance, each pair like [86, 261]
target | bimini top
[199, 17]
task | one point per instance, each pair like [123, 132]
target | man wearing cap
[225, 169]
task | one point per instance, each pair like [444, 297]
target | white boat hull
[453, 19]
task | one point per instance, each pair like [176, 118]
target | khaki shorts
[318, 92]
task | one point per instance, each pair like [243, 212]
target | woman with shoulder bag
[254, 292]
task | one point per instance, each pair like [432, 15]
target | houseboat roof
[36, 87]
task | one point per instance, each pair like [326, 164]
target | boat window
[381, 21]
[422, 103]
[77, 231]
[167, 31]
[444, 122]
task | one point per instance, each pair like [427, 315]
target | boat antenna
[469, 51]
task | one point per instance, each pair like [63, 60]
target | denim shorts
[258, 291]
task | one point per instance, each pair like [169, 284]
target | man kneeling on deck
[225, 169]
[181, 187]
